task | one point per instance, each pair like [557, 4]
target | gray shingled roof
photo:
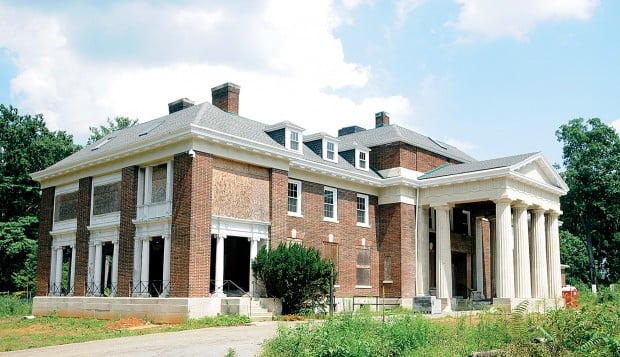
[393, 133]
[455, 169]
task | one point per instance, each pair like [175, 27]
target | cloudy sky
[493, 77]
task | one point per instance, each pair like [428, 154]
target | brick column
[504, 269]
[44, 248]
[129, 196]
[82, 235]
[539, 255]
[554, 273]
[523, 282]
[278, 206]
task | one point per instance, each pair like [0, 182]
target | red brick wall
[404, 155]
[82, 235]
[313, 231]
[44, 252]
[486, 254]
[396, 236]
[129, 193]
[278, 205]
[191, 226]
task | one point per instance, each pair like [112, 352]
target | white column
[443, 255]
[219, 265]
[253, 254]
[423, 263]
[523, 282]
[554, 275]
[144, 272]
[115, 269]
[98, 265]
[52, 271]
[137, 265]
[72, 275]
[479, 256]
[58, 271]
[91, 267]
[169, 181]
[148, 185]
[166, 274]
[504, 269]
[539, 255]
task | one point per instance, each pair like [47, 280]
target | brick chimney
[382, 119]
[179, 105]
[226, 97]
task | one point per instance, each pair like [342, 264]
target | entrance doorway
[156, 266]
[236, 264]
[459, 278]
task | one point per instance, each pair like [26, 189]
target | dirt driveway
[215, 341]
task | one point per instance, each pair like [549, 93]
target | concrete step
[261, 317]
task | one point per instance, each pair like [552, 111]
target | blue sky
[495, 78]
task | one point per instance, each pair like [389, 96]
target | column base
[539, 305]
[220, 295]
[446, 304]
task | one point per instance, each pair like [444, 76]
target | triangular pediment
[538, 169]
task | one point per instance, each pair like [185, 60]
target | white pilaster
[423, 264]
[148, 184]
[98, 266]
[58, 271]
[443, 255]
[523, 282]
[72, 274]
[166, 273]
[479, 256]
[137, 265]
[169, 181]
[52, 271]
[115, 269]
[504, 269]
[144, 272]
[539, 255]
[90, 278]
[554, 275]
[253, 254]
[219, 265]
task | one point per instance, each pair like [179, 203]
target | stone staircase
[259, 313]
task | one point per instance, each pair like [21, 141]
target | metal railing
[60, 289]
[229, 287]
[154, 288]
[93, 290]
[378, 302]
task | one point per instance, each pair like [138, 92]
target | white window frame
[326, 144]
[468, 215]
[287, 139]
[366, 222]
[358, 165]
[432, 220]
[334, 191]
[296, 213]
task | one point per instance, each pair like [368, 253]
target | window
[294, 198]
[361, 160]
[65, 206]
[159, 183]
[362, 210]
[363, 268]
[155, 184]
[330, 151]
[107, 198]
[294, 140]
[330, 204]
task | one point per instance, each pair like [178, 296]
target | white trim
[366, 222]
[298, 212]
[334, 192]
[61, 190]
[106, 179]
[334, 151]
[228, 226]
[363, 286]
[288, 132]
[358, 160]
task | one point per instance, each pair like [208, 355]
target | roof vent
[180, 104]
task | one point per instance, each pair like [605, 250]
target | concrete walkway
[214, 341]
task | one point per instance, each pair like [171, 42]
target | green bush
[299, 276]
[14, 305]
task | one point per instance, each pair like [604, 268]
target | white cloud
[77, 68]
[404, 7]
[462, 145]
[508, 18]
[616, 125]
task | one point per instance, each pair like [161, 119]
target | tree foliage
[591, 154]
[26, 146]
[115, 124]
[297, 275]
[574, 253]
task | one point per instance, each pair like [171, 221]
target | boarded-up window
[330, 251]
[159, 184]
[107, 198]
[363, 267]
[387, 268]
[65, 206]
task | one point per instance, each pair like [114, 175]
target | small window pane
[330, 151]
[107, 198]
[294, 140]
[66, 206]
[293, 197]
[328, 203]
[361, 209]
[159, 183]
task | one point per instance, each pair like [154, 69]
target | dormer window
[330, 151]
[293, 142]
[361, 160]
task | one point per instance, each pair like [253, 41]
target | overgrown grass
[220, 320]
[592, 329]
[14, 305]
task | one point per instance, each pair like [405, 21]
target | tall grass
[14, 305]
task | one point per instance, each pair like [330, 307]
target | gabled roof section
[528, 167]
[394, 133]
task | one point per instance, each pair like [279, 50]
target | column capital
[538, 210]
[520, 205]
[500, 200]
[253, 239]
[441, 207]
[553, 213]
[223, 236]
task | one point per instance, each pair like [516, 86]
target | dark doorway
[156, 266]
[107, 251]
[459, 266]
[236, 263]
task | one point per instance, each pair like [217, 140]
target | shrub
[297, 275]
[14, 305]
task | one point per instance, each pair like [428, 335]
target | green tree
[297, 275]
[591, 154]
[574, 253]
[26, 146]
[115, 124]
